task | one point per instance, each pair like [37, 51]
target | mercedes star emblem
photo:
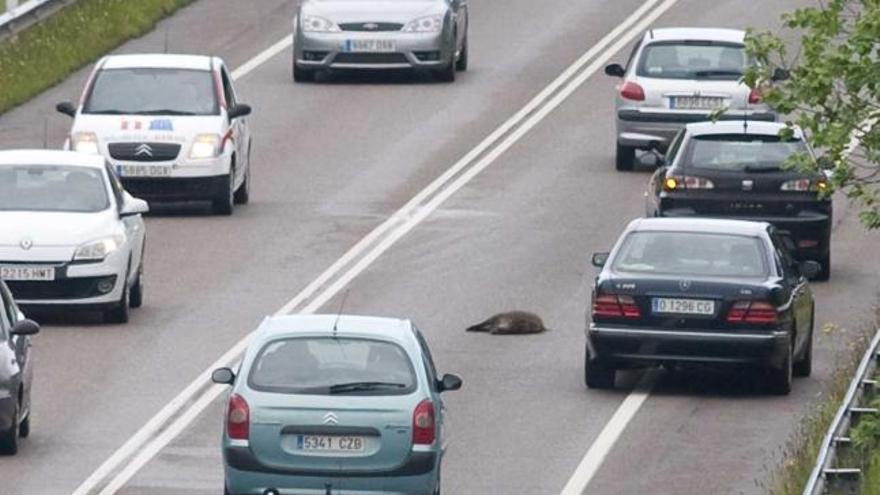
[684, 285]
[26, 243]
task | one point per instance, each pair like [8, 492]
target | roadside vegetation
[46, 53]
[866, 445]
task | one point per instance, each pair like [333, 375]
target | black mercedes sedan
[16, 373]
[737, 169]
[701, 291]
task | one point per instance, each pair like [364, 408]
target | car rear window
[151, 91]
[741, 152]
[333, 366]
[692, 60]
[691, 253]
[53, 188]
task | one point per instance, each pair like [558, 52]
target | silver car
[677, 76]
[431, 35]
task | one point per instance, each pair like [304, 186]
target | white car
[170, 125]
[70, 235]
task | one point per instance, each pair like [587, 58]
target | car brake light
[632, 91]
[614, 306]
[424, 426]
[687, 182]
[755, 96]
[238, 418]
[757, 312]
[805, 185]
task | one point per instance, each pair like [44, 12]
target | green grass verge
[46, 53]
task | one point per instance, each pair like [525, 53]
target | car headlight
[205, 146]
[315, 24]
[85, 142]
[100, 249]
[427, 24]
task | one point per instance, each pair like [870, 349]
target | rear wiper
[163, 111]
[342, 388]
[718, 72]
[759, 169]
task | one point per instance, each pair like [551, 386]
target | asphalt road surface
[511, 230]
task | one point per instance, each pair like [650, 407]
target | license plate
[697, 102]
[667, 305]
[369, 46]
[143, 170]
[327, 443]
[27, 273]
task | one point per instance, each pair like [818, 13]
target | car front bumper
[76, 285]
[246, 475]
[638, 128]
[650, 346]
[320, 51]
[159, 189]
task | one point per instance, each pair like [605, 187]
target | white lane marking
[603, 444]
[152, 438]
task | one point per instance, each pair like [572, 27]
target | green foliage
[46, 53]
[833, 92]
[866, 435]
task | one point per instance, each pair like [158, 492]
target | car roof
[751, 127]
[350, 326]
[158, 61]
[696, 34]
[699, 225]
[50, 157]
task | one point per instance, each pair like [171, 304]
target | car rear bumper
[639, 128]
[648, 346]
[176, 188]
[412, 50]
[245, 474]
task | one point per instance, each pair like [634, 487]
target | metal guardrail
[20, 15]
[826, 473]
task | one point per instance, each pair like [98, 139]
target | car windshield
[741, 152]
[333, 366]
[693, 60]
[692, 254]
[52, 188]
[153, 92]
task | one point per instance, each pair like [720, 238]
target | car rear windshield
[692, 60]
[333, 366]
[153, 92]
[52, 188]
[741, 152]
[692, 254]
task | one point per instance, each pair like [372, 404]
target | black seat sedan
[736, 169]
[15, 373]
[701, 291]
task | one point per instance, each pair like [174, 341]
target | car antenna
[339, 313]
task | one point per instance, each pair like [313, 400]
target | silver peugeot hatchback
[676, 76]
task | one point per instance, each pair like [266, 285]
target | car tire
[780, 378]
[437, 484]
[461, 64]
[119, 312]
[136, 296]
[447, 74]
[24, 429]
[243, 195]
[625, 158]
[596, 374]
[223, 203]
[301, 75]
[9, 438]
[804, 367]
[824, 274]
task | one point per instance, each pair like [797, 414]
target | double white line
[184, 409]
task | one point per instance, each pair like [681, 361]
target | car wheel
[462, 64]
[24, 429]
[223, 203]
[447, 74]
[9, 438]
[243, 194]
[136, 296]
[825, 273]
[119, 312]
[596, 374]
[804, 367]
[437, 484]
[301, 75]
[625, 158]
[781, 378]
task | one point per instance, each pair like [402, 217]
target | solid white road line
[155, 435]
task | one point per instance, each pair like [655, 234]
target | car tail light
[755, 96]
[805, 185]
[687, 182]
[807, 243]
[238, 418]
[615, 306]
[424, 425]
[632, 91]
[757, 312]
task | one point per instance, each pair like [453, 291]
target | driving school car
[170, 125]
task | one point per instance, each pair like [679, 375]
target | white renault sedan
[170, 125]
[70, 235]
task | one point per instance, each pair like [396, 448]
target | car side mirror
[615, 70]
[133, 206]
[223, 376]
[449, 383]
[239, 110]
[780, 74]
[810, 269]
[66, 108]
[599, 259]
[25, 327]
